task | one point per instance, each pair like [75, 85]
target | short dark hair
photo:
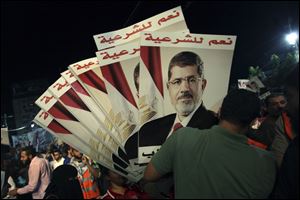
[56, 150]
[240, 107]
[272, 95]
[186, 58]
[29, 151]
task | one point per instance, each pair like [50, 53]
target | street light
[292, 38]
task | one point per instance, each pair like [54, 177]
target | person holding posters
[225, 166]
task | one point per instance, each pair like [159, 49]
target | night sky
[39, 39]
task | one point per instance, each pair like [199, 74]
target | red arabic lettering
[60, 85]
[69, 72]
[222, 42]
[47, 99]
[110, 40]
[189, 40]
[134, 51]
[168, 18]
[114, 56]
[45, 115]
[138, 30]
[157, 40]
[85, 66]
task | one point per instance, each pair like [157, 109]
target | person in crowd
[39, 174]
[57, 159]
[118, 189]
[274, 105]
[287, 184]
[67, 153]
[88, 172]
[218, 162]
[283, 135]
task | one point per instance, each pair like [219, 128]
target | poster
[165, 93]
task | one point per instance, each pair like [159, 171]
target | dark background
[39, 39]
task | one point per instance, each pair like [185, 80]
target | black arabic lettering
[148, 155]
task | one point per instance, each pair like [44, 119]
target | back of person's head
[240, 107]
[64, 184]
[186, 58]
[113, 177]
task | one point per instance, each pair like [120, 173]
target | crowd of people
[223, 158]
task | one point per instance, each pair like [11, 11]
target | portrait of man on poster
[186, 84]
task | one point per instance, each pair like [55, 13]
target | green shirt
[215, 163]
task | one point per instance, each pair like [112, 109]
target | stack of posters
[105, 106]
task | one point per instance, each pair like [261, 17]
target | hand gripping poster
[57, 110]
[46, 121]
[169, 21]
[181, 77]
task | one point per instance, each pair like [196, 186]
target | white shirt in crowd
[54, 164]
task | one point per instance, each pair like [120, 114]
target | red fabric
[177, 126]
[60, 112]
[114, 74]
[130, 193]
[287, 125]
[70, 98]
[152, 60]
[76, 85]
[256, 143]
[58, 128]
[93, 80]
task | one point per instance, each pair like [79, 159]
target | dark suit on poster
[154, 133]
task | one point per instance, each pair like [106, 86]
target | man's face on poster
[185, 87]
